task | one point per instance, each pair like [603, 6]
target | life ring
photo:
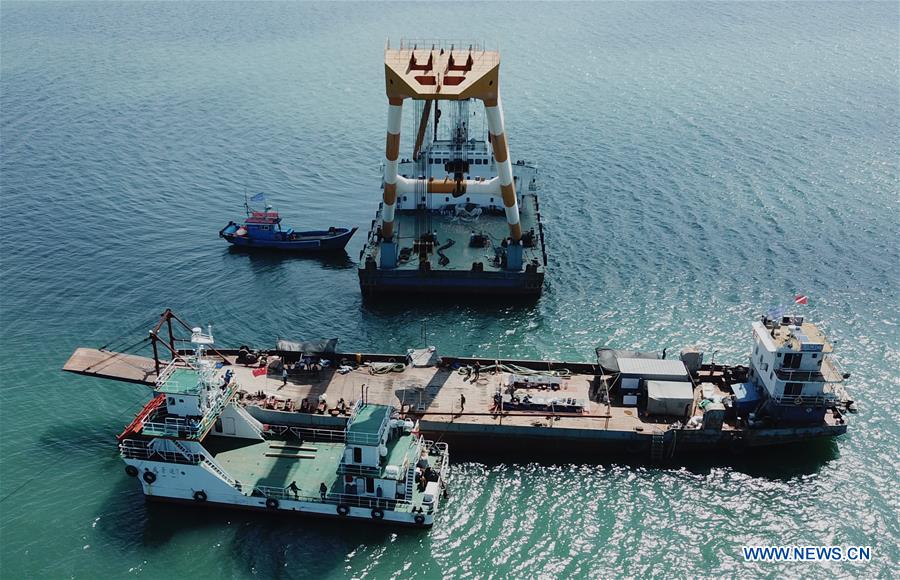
[149, 476]
[798, 401]
[343, 510]
[419, 519]
[131, 470]
[272, 503]
[377, 514]
[200, 495]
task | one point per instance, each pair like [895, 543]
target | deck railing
[134, 449]
[310, 433]
[166, 373]
[191, 428]
[364, 438]
[830, 372]
[823, 400]
[361, 470]
[283, 493]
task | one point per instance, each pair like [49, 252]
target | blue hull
[311, 241]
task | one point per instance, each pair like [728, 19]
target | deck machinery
[457, 215]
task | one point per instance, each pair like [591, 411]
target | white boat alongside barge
[193, 442]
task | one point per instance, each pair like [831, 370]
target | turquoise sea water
[701, 162]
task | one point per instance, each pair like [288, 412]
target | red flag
[801, 299]
[259, 372]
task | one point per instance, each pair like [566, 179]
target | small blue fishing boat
[262, 229]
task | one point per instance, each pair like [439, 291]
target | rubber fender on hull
[131, 470]
[200, 495]
[343, 510]
[419, 519]
[149, 477]
[272, 503]
[377, 514]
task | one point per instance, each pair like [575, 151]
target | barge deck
[434, 397]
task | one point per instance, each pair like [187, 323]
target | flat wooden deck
[112, 365]
[435, 394]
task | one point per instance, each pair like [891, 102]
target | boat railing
[438, 44]
[310, 433]
[364, 438]
[284, 493]
[823, 400]
[191, 428]
[134, 449]
[827, 374]
[443, 450]
[166, 373]
[362, 470]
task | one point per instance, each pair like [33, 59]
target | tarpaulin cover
[606, 357]
[321, 346]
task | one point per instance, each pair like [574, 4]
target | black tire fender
[131, 470]
[419, 519]
[343, 510]
[377, 514]
[149, 477]
[272, 503]
[200, 496]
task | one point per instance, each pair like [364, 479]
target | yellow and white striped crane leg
[494, 112]
[391, 154]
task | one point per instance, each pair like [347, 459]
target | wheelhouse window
[357, 455]
[793, 389]
[793, 360]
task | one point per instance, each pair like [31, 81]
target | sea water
[700, 163]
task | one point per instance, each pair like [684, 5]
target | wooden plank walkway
[112, 365]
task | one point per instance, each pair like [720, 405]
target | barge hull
[292, 511]
[380, 282]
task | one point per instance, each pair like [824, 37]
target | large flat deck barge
[457, 215]
[630, 403]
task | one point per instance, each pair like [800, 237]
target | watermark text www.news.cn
[806, 553]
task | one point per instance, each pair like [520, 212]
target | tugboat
[262, 229]
[194, 442]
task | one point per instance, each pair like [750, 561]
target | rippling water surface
[701, 162]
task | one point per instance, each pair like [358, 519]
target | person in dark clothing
[323, 489]
[477, 372]
[462, 402]
[294, 489]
